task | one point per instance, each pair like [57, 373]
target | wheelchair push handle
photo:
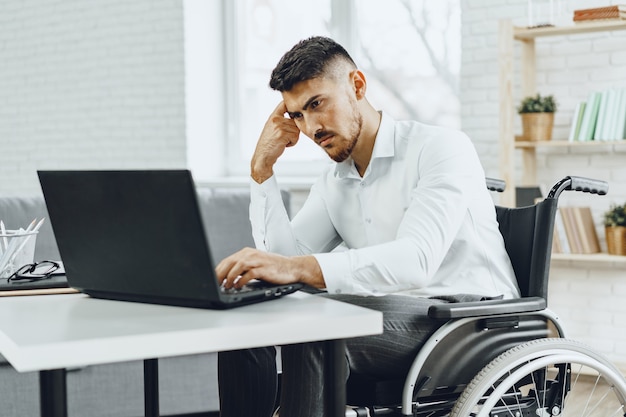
[573, 183]
[494, 184]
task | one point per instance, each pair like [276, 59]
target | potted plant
[537, 114]
[615, 228]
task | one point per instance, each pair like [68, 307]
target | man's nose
[313, 126]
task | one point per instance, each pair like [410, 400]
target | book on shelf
[605, 115]
[586, 229]
[576, 231]
[619, 128]
[602, 114]
[617, 11]
[590, 117]
[570, 230]
[602, 117]
[579, 110]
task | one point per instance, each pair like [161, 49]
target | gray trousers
[248, 381]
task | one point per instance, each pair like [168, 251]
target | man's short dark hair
[308, 59]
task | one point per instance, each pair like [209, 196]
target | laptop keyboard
[253, 285]
[233, 290]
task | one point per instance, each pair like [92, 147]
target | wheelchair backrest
[527, 233]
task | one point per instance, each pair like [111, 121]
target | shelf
[562, 143]
[585, 27]
[525, 38]
[598, 258]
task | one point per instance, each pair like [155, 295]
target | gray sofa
[187, 384]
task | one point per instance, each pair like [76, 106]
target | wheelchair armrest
[486, 308]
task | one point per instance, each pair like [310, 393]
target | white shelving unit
[509, 144]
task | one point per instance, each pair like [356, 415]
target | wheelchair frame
[508, 338]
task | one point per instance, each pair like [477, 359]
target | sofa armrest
[486, 308]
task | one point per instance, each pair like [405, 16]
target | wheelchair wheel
[545, 377]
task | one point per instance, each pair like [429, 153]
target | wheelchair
[500, 358]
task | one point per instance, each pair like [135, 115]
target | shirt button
[362, 184]
[338, 291]
[368, 221]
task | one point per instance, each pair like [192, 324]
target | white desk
[54, 332]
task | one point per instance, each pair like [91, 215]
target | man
[407, 200]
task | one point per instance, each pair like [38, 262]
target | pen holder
[17, 248]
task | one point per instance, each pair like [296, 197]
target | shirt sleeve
[269, 218]
[273, 231]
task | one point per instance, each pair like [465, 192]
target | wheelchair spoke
[593, 390]
[537, 380]
[618, 412]
[599, 402]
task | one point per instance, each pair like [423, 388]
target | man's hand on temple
[278, 133]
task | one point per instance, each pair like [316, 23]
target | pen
[30, 226]
[36, 228]
[28, 232]
[4, 237]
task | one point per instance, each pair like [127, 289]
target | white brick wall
[89, 85]
[588, 296]
[590, 301]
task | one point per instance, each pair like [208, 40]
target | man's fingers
[231, 268]
[293, 140]
[246, 277]
[281, 109]
[225, 270]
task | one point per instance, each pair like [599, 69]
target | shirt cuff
[258, 209]
[336, 271]
[265, 201]
[265, 187]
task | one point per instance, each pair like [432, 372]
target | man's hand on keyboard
[248, 264]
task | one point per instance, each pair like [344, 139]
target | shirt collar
[384, 147]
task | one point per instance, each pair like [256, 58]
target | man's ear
[359, 83]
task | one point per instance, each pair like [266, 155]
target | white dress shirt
[419, 222]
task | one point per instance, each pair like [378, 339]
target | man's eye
[296, 116]
[315, 104]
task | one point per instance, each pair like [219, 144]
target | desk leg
[53, 393]
[151, 387]
[335, 390]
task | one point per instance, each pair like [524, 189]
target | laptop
[139, 236]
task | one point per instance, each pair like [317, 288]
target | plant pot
[616, 240]
[537, 126]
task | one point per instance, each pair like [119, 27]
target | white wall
[89, 85]
[205, 88]
[588, 296]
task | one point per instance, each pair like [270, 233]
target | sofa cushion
[225, 216]
[226, 220]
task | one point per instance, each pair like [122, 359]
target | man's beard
[355, 132]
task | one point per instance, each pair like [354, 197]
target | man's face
[326, 111]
